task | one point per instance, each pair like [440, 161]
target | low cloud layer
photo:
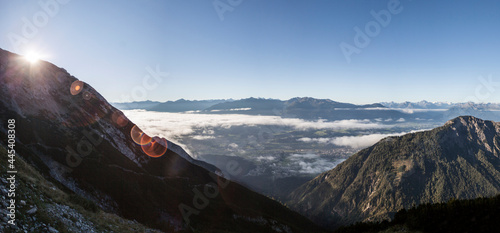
[415, 110]
[359, 142]
[311, 163]
[172, 125]
[232, 109]
[355, 142]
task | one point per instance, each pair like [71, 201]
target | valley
[276, 154]
[280, 145]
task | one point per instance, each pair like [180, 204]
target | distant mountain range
[304, 108]
[180, 105]
[460, 160]
[313, 109]
[270, 104]
[254, 105]
[419, 105]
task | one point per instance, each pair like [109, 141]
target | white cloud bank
[311, 163]
[355, 142]
[220, 110]
[172, 125]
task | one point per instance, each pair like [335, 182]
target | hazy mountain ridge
[441, 105]
[419, 105]
[399, 172]
[180, 105]
[312, 109]
[71, 134]
[268, 106]
[300, 107]
[136, 105]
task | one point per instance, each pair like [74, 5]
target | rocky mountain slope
[46, 206]
[460, 159]
[70, 134]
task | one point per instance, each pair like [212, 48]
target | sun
[32, 57]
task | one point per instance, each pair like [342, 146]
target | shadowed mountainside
[70, 134]
[457, 160]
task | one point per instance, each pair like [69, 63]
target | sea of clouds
[355, 142]
[173, 126]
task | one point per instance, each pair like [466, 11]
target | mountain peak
[463, 120]
[424, 167]
[470, 122]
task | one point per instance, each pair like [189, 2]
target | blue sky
[266, 48]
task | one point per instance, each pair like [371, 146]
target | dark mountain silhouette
[310, 108]
[460, 160]
[301, 107]
[305, 108]
[254, 106]
[136, 105]
[70, 134]
[180, 105]
[184, 105]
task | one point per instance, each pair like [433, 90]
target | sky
[356, 51]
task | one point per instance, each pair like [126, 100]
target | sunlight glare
[32, 57]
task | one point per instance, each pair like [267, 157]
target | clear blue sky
[432, 50]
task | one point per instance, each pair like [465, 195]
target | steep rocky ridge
[69, 133]
[457, 160]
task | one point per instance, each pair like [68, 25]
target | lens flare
[86, 95]
[119, 119]
[145, 139]
[155, 148]
[138, 136]
[76, 87]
